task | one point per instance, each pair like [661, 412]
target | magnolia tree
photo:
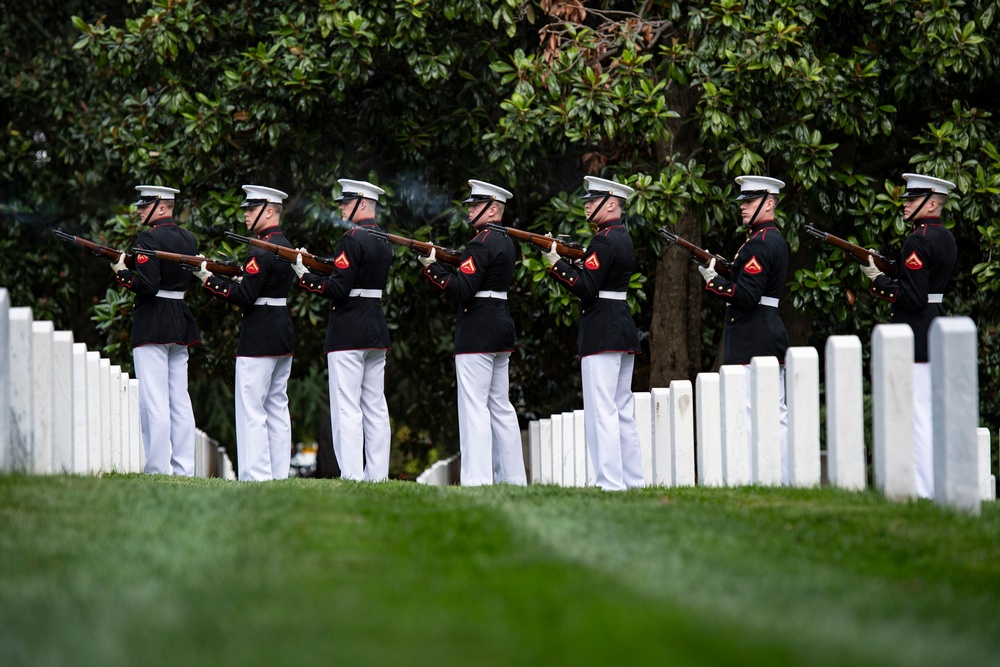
[838, 99]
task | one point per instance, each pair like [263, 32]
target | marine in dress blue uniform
[163, 329]
[357, 337]
[489, 436]
[266, 345]
[608, 339]
[926, 274]
[753, 327]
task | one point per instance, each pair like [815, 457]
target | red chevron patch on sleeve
[141, 258]
[914, 262]
[468, 267]
[252, 267]
[342, 262]
[592, 262]
[753, 267]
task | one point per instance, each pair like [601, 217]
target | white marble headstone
[682, 431]
[735, 430]
[954, 357]
[63, 422]
[892, 411]
[534, 452]
[845, 414]
[765, 425]
[42, 333]
[708, 409]
[663, 452]
[80, 409]
[642, 412]
[802, 396]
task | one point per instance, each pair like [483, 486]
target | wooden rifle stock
[319, 265]
[861, 255]
[567, 249]
[443, 255]
[222, 268]
[107, 252]
[698, 255]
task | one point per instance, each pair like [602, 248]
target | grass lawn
[133, 570]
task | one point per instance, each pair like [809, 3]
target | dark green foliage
[838, 98]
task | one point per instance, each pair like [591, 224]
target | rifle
[443, 255]
[698, 255]
[320, 265]
[99, 250]
[568, 249]
[884, 264]
[221, 267]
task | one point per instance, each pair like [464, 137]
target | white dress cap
[151, 193]
[258, 194]
[599, 187]
[354, 189]
[918, 185]
[483, 191]
[752, 187]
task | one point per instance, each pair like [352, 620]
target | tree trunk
[675, 330]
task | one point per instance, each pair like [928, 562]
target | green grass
[131, 570]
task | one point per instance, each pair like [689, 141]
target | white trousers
[263, 426]
[609, 420]
[782, 424]
[358, 413]
[165, 415]
[923, 430]
[489, 436]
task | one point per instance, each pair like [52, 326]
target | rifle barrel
[858, 253]
[818, 233]
[698, 255]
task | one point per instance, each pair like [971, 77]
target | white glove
[552, 256]
[298, 267]
[429, 259]
[871, 270]
[202, 273]
[120, 264]
[708, 272]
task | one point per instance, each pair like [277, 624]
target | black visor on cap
[594, 194]
[250, 203]
[912, 193]
[752, 194]
[145, 199]
[347, 196]
[477, 197]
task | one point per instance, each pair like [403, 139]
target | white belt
[270, 301]
[935, 298]
[614, 296]
[490, 294]
[366, 293]
[170, 294]
[768, 301]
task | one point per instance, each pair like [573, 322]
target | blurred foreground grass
[133, 570]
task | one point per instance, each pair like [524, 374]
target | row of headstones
[65, 409]
[713, 413]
